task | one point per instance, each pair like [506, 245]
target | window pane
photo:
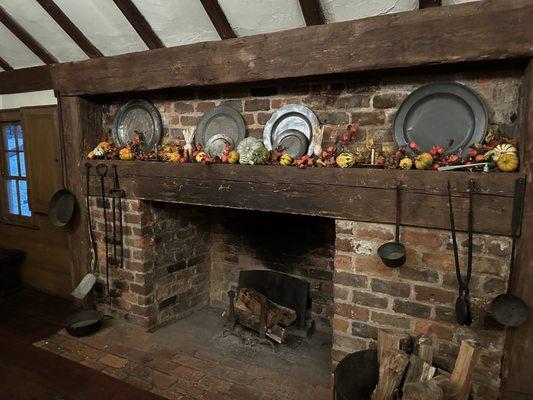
[12, 164]
[22, 164]
[12, 197]
[9, 137]
[24, 205]
[20, 139]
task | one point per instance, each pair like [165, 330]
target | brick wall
[418, 297]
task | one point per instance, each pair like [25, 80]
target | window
[14, 172]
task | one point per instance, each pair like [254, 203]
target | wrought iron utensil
[393, 253]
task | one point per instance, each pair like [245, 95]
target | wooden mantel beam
[312, 11]
[26, 80]
[218, 18]
[488, 30]
[70, 29]
[140, 24]
[23, 35]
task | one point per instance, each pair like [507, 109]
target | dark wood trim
[354, 194]
[5, 65]
[26, 80]
[140, 24]
[429, 3]
[218, 18]
[26, 38]
[518, 355]
[468, 32]
[70, 29]
[312, 11]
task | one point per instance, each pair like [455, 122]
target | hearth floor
[190, 359]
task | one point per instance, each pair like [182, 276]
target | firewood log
[460, 380]
[422, 391]
[277, 333]
[250, 299]
[391, 371]
[388, 340]
[419, 370]
[424, 349]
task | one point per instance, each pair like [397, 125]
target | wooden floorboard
[28, 372]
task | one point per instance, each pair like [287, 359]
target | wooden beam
[5, 65]
[354, 194]
[140, 24]
[429, 3]
[26, 80]
[23, 35]
[488, 30]
[312, 11]
[218, 18]
[518, 356]
[70, 29]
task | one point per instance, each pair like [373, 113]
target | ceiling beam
[26, 38]
[5, 65]
[139, 23]
[70, 29]
[26, 80]
[429, 3]
[218, 18]
[312, 11]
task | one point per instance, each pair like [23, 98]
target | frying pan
[393, 253]
[61, 207]
[508, 309]
[83, 323]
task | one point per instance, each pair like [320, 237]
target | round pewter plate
[215, 145]
[220, 120]
[290, 117]
[292, 142]
[439, 114]
[138, 116]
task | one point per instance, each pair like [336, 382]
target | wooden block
[429, 390]
[460, 380]
[391, 371]
[391, 340]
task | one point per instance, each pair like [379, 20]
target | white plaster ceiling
[103, 24]
[176, 22]
[251, 17]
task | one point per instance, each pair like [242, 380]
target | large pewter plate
[138, 116]
[220, 120]
[439, 113]
[290, 117]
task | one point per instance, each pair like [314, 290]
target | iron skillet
[61, 207]
[83, 323]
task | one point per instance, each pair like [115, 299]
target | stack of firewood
[406, 370]
[255, 311]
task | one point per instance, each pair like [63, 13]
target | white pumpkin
[502, 149]
[99, 151]
[246, 148]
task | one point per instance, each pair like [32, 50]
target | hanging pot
[61, 207]
[393, 253]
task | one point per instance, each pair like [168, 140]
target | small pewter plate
[438, 114]
[292, 142]
[290, 117]
[216, 143]
[138, 116]
[220, 120]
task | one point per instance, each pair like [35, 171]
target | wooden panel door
[43, 152]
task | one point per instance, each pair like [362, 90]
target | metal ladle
[508, 309]
[393, 253]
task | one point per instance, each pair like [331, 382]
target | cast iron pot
[83, 323]
[356, 376]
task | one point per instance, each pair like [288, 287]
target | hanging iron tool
[463, 310]
[101, 170]
[117, 193]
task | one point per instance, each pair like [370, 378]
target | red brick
[373, 266]
[425, 238]
[204, 106]
[391, 320]
[163, 380]
[439, 260]
[390, 287]
[434, 295]
[188, 389]
[343, 262]
[182, 107]
[113, 361]
[426, 327]
[375, 233]
[340, 325]
[277, 103]
[188, 374]
[351, 311]
[257, 105]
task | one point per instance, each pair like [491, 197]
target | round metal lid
[290, 117]
[220, 120]
[138, 116]
[292, 142]
[438, 114]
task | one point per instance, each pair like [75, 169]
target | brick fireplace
[181, 258]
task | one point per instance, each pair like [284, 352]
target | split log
[422, 391]
[391, 340]
[277, 334]
[460, 380]
[391, 370]
[424, 349]
[250, 300]
[419, 370]
[444, 383]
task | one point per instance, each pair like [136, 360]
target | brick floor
[191, 360]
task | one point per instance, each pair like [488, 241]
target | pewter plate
[216, 143]
[292, 142]
[440, 113]
[220, 120]
[287, 117]
[138, 116]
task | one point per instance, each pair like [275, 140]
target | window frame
[12, 117]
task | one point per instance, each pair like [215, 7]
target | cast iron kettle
[463, 309]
